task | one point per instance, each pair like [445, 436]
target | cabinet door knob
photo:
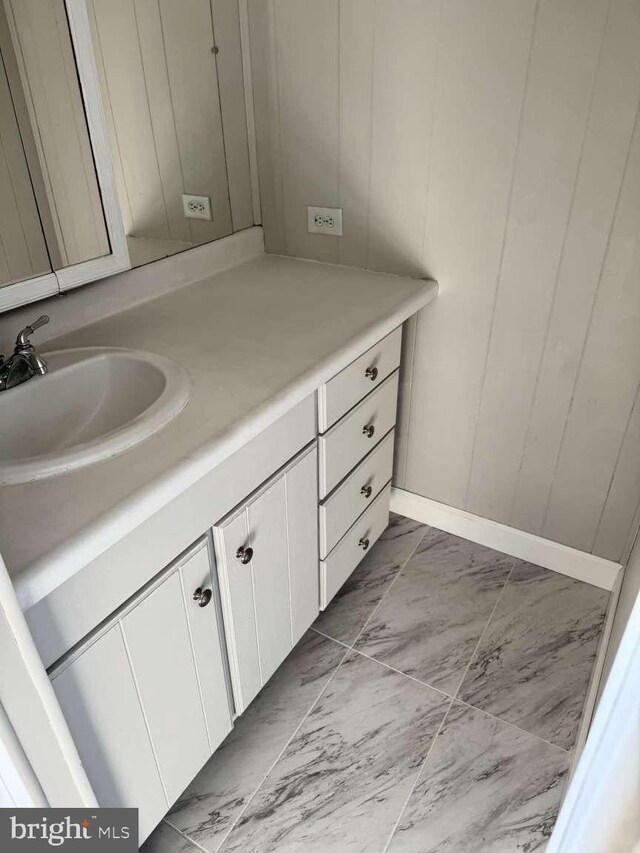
[202, 596]
[366, 492]
[371, 373]
[368, 430]
[244, 555]
[364, 543]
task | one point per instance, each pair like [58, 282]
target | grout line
[388, 589]
[480, 639]
[513, 726]
[385, 665]
[347, 649]
[443, 692]
[405, 674]
[280, 754]
[187, 838]
[418, 774]
[328, 637]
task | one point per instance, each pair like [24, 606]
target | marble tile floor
[432, 707]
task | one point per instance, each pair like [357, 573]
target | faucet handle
[23, 338]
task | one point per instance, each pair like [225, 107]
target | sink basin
[94, 403]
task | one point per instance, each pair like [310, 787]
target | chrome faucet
[25, 361]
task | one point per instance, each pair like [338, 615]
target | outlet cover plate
[325, 220]
[196, 206]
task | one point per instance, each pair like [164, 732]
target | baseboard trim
[517, 543]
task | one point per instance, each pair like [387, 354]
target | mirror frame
[58, 281]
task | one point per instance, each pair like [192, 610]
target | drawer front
[358, 492]
[344, 558]
[348, 387]
[348, 442]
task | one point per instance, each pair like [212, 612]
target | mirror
[158, 64]
[123, 137]
[51, 214]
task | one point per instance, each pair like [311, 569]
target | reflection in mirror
[23, 252]
[157, 64]
[51, 214]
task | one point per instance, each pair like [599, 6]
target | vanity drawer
[344, 558]
[348, 387]
[357, 493]
[356, 434]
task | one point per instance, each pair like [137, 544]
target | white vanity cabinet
[146, 695]
[267, 556]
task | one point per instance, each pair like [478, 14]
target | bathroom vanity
[165, 585]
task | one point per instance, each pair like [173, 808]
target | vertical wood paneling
[357, 40]
[404, 81]
[22, 248]
[606, 146]
[307, 62]
[266, 101]
[608, 380]
[483, 144]
[564, 62]
[126, 89]
[226, 30]
[50, 84]
[196, 109]
[165, 114]
[616, 524]
[484, 54]
[161, 118]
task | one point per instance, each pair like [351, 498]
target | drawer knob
[202, 596]
[371, 373]
[363, 543]
[244, 555]
[368, 430]
[366, 491]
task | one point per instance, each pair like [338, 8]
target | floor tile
[485, 788]
[358, 598]
[165, 839]
[341, 783]
[208, 807]
[430, 622]
[533, 666]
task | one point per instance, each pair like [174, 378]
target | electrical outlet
[196, 206]
[324, 220]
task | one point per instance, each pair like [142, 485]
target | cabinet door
[236, 587]
[268, 568]
[98, 697]
[301, 484]
[206, 636]
[147, 700]
[157, 635]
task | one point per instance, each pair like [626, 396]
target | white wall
[491, 146]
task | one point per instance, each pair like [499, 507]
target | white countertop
[256, 339]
